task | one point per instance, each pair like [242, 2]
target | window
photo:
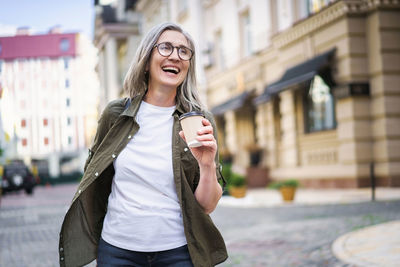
[219, 50]
[1, 48]
[44, 63]
[303, 9]
[66, 63]
[69, 140]
[23, 123]
[45, 122]
[68, 102]
[284, 10]
[46, 141]
[64, 45]
[182, 6]
[24, 142]
[66, 83]
[21, 64]
[319, 106]
[245, 34]
[316, 5]
[68, 121]
[1, 64]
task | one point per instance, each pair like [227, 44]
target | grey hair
[136, 79]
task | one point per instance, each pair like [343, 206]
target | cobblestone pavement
[295, 235]
[29, 226]
[269, 236]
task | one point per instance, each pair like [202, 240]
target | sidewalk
[262, 197]
[377, 245]
[373, 246]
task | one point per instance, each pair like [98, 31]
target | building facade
[50, 95]
[317, 100]
[117, 35]
[304, 89]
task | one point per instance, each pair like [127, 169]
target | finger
[205, 137]
[205, 130]
[209, 144]
[206, 122]
[182, 135]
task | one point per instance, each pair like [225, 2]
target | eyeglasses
[166, 49]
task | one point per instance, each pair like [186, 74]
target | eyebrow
[181, 45]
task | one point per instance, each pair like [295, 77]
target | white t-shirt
[143, 208]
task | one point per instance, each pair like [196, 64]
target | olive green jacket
[83, 223]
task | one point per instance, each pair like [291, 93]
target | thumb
[182, 135]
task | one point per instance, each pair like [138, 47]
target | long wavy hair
[137, 78]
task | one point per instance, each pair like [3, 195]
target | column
[354, 135]
[111, 68]
[384, 70]
[288, 126]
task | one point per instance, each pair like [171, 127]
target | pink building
[50, 93]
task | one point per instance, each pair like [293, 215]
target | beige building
[320, 100]
[116, 36]
[305, 89]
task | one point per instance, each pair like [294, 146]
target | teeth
[171, 69]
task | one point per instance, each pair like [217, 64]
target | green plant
[226, 170]
[284, 183]
[237, 180]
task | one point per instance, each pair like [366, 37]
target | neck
[160, 97]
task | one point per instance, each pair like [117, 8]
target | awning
[298, 74]
[232, 104]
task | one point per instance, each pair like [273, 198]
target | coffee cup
[191, 122]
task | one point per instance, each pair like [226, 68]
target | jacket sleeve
[105, 123]
[218, 165]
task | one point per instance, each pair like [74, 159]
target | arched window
[319, 106]
[64, 45]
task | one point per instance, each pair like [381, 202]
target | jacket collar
[132, 109]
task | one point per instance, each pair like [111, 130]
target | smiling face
[168, 72]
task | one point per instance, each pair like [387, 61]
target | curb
[373, 246]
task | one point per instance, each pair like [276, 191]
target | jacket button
[113, 156]
[220, 168]
[61, 258]
[80, 191]
[96, 174]
[130, 136]
[185, 149]
[61, 249]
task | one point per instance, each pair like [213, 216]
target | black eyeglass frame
[172, 51]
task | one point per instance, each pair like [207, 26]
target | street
[291, 235]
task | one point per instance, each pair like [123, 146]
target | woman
[145, 196]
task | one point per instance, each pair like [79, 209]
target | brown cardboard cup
[191, 122]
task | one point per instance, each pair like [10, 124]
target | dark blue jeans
[111, 256]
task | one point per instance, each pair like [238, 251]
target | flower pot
[287, 193]
[237, 192]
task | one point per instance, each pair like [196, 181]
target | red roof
[32, 46]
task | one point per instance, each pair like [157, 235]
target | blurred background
[304, 92]
[301, 89]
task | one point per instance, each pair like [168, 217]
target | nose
[174, 54]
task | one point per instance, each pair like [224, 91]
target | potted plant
[287, 188]
[237, 185]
